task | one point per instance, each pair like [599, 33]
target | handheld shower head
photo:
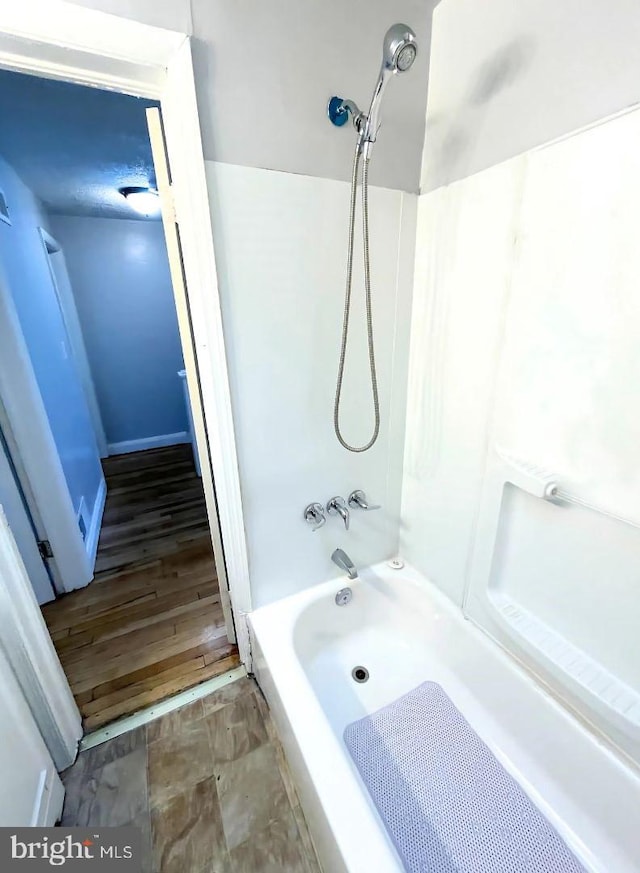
[399, 50]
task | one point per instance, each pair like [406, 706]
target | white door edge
[176, 268]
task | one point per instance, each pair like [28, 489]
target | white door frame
[183, 311]
[60, 40]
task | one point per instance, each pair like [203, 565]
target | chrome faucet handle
[358, 500]
[314, 515]
[337, 506]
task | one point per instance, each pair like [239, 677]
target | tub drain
[360, 674]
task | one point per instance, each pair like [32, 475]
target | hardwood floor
[150, 624]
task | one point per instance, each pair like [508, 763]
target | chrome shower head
[399, 48]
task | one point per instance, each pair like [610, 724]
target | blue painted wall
[120, 277]
[26, 267]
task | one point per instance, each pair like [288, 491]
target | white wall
[266, 70]
[506, 76]
[281, 249]
[525, 304]
[170, 14]
[503, 77]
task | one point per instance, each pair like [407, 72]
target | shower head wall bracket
[339, 110]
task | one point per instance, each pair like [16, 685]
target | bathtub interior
[386, 629]
[404, 632]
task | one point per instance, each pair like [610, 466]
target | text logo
[103, 850]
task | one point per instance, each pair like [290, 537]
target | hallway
[150, 624]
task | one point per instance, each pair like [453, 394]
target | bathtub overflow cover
[344, 596]
[360, 674]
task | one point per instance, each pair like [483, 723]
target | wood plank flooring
[150, 624]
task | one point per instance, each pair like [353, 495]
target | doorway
[150, 624]
[148, 618]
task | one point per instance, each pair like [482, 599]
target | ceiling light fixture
[145, 201]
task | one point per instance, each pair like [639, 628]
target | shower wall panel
[464, 256]
[281, 248]
[521, 474]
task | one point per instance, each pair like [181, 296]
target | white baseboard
[154, 442]
[93, 533]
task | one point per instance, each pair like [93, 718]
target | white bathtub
[405, 632]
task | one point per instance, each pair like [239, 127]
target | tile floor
[207, 784]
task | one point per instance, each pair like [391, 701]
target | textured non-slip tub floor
[207, 784]
[447, 803]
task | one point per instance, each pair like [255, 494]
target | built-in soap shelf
[588, 673]
[595, 691]
[534, 480]
[541, 483]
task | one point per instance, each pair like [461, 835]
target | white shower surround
[525, 299]
[554, 693]
[405, 631]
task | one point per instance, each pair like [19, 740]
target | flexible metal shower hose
[347, 303]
